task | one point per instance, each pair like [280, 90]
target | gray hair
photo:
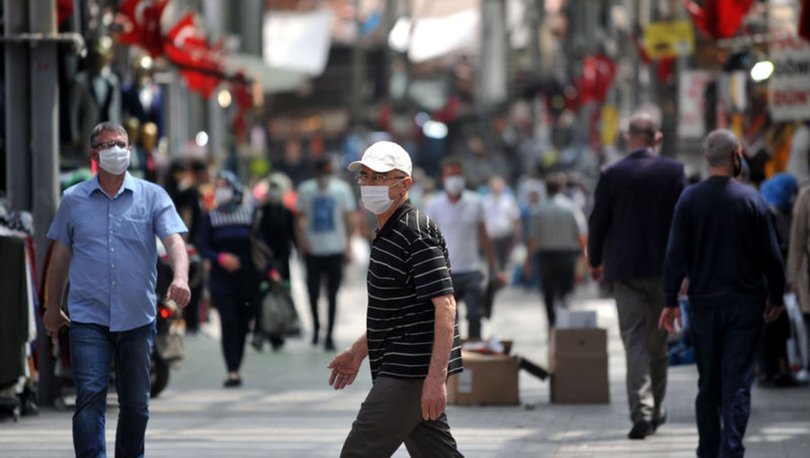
[107, 126]
[719, 146]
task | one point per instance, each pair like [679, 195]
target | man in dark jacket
[723, 241]
[628, 232]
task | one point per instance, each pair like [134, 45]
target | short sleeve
[431, 274]
[348, 196]
[61, 229]
[166, 220]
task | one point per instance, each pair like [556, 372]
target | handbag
[279, 316]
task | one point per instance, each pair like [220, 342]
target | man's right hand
[54, 320]
[344, 367]
[596, 272]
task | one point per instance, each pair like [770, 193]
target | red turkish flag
[141, 22]
[186, 48]
[804, 20]
[718, 18]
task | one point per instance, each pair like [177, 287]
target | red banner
[186, 48]
[718, 18]
[141, 22]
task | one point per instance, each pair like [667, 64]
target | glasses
[375, 178]
[110, 144]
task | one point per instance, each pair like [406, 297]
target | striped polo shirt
[409, 266]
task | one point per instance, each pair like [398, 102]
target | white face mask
[222, 195]
[114, 160]
[375, 198]
[454, 184]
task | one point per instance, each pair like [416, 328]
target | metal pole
[358, 71]
[18, 153]
[492, 67]
[213, 11]
[45, 147]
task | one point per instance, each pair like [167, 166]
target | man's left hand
[670, 317]
[179, 292]
[772, 312]
[434, 398]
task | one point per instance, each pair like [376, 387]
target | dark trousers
[557, 271]
[391, 415]
[234, 316]
[467, 287]
[318, 268]
[726, 338]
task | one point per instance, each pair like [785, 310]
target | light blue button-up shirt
[113, 266]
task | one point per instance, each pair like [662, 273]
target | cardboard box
[486, 380]
[578, 363]
[575, 319]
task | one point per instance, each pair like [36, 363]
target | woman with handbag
[225, 240]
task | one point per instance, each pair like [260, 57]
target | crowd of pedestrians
[715, 250]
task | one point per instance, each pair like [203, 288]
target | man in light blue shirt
[104, 238]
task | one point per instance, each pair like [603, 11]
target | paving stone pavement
[286, 409]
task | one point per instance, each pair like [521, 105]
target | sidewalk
[286, 409]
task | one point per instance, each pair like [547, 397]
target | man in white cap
[411, 338]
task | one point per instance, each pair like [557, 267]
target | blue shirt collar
[95, 185]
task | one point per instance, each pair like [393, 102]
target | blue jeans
[92, 347]
[725, 339]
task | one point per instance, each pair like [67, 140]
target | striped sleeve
[429, 268]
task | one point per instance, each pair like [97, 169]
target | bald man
[724, 242]
[628, 232]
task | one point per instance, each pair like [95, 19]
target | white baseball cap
[383, 157]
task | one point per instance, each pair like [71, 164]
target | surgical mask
[375, 198]
[222, 195]
[275, 195]
[454, 184]
[114, 160]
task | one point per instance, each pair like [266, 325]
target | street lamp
[761, 71]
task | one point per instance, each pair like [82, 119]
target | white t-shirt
[500, 214]
[458, 223]
[325, 211]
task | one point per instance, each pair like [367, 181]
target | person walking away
[557, 239]
[412, 339]
[325, 223]
[724, 243]
[275, 232]
[773, 369]
[104, 239]
[233, 281]
[459, 214]
[627, 236]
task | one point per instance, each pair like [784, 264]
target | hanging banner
[789, 87]
[297, 41]
[669, 39]
[691, 103]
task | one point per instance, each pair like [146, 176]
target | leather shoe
[641, 430]
[659, 421]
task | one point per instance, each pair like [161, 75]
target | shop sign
[691, 103]
[669, 39]
[789, 87]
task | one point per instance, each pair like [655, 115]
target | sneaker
[232, 382]
[329, 344]
[641, 430]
